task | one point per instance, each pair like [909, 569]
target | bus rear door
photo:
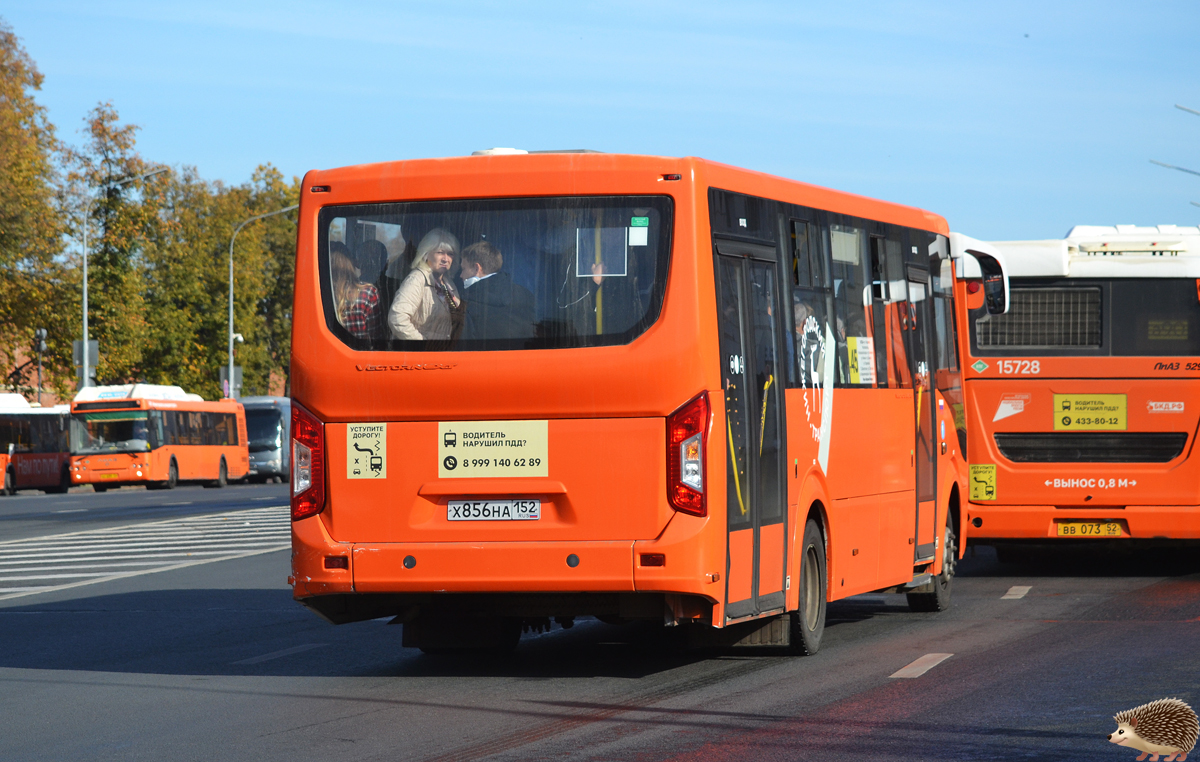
[918, 330]
[748, 307]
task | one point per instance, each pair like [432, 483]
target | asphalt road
[215, 661]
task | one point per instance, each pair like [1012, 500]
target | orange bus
[33, 446]
[157, 436]
[1080, 412]
[692, 393]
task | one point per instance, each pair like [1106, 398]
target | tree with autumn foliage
[35, 287]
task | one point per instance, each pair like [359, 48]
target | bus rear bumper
[1028, 522]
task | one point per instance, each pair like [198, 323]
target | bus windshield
[494, 274]
[117, 431]
[1126, 317]
[264, 429]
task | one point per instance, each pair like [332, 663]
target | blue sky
[1013, 120]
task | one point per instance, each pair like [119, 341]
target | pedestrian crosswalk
[43, 564]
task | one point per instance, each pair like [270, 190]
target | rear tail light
[308, 463]
[687, 435]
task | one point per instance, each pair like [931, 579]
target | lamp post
[87, 212]
[233, 238]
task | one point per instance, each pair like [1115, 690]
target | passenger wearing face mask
[497, 308]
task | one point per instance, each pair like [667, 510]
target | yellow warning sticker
[366, 451]
[983, 481]
[860, 351]
[493, 448]
[1089, 412]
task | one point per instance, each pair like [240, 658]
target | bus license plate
[494, 510]
[1089, 529]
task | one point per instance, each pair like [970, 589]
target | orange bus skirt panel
[311, 545]
[450, 567]
[1145, 522]
[770, 563]
[741, 569]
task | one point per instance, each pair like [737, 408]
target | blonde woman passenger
[427, 306]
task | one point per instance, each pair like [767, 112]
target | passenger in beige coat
[427, 306]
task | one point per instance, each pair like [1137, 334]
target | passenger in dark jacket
[497, 308]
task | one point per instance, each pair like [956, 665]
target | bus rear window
[494, 274]
[1131, 317]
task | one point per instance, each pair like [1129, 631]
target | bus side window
[851, 296]
[155, 429]
[810, 306]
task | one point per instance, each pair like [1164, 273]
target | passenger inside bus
[497, 308]
[427, 305]
[356, 302]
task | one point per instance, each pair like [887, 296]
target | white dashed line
[73, 510]
[280, 654]
[922, 665]
[1015, 592]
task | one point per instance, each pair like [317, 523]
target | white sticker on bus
[1086, 483]
[1010, 405]
[366, 451]
[1164, 407]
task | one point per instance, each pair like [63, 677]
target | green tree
[34, 287]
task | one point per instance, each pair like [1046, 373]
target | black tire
[939, 598]
[172, 476]
[10, 484]
[222, 477]
[808, 624]
[64, 483]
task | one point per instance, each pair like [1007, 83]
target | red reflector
[972, 287]
[654, 559]
[672, 177]
[337, 562]
[319, 189]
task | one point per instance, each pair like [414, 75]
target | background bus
[34, 453]
[155, 435]
[713, 397]
[1081, 400]
[268, 430]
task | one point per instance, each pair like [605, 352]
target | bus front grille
[1044, 318]
[1088, 447]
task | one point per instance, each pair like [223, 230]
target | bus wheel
[172, 476]
[10, 484]
[808, 624]
[939, 598]
[222, 477]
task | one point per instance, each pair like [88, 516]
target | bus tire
[64, 483]
[10, 483]
[939, 598]
[172, 476]
[808, 624]
[222, 476]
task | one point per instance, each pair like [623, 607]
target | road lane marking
[281, 654]
[185, 502]
[100, 555]
[1015, 592]
[73, 510]
[921, 666]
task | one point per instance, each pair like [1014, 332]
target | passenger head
[481, 259]
[436, 251]
[372, 257]
[343, 276]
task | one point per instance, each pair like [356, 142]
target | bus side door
[919, 339]
[748, 313]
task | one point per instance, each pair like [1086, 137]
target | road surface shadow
[1101, 559]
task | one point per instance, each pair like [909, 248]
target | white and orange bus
[1080, 411]
[693, 394]
[33, 446]
[157, 436]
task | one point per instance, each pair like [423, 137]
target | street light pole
[231, 240]
[87, 212]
